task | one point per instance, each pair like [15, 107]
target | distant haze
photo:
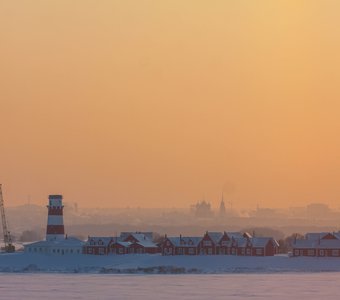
[164, 103]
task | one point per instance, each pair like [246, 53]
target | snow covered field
[32, 276]
[157, 264]
[311, 286]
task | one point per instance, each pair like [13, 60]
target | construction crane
[9, 247]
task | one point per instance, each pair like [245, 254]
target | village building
[126, 243]
[140, 243]
[218, 243]
[241, 246]
[230, 242]
[137, 235]
[264, 246]
[323, 244]
[119, 247]
[98, 245]
[143, 247]
[68, 246]
[209, 243]
[180, 245]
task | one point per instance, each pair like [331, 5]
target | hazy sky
[159, 103]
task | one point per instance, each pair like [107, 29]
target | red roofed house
[97, 245]
[180, 245]
[141, 243]
[228, 244]
[264, 246]
[119, 247]
[209, 243]
[218, 243]
[318, 244]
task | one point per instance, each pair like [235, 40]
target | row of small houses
[318, 244]
[126, 243]
[212, 243]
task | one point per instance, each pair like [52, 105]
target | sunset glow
[162, 103]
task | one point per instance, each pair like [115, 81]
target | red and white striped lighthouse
[55, 220]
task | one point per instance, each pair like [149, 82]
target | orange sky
[157, 103]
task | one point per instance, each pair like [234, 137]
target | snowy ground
[157, 264]
[278, 286]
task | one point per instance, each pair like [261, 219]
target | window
[248, 251]
[322, 253]
[311, 252]
[224, 243]
[296, 252]
[89, 250]
[242, 251]
[101, 251]
[207, 243]
[335, 252]
[191, 250]
[209, 251]
[120, 250]
[259, 251]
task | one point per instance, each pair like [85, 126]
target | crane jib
[9, 247]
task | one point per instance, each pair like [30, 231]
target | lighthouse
[56, 242]
[55, 220]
